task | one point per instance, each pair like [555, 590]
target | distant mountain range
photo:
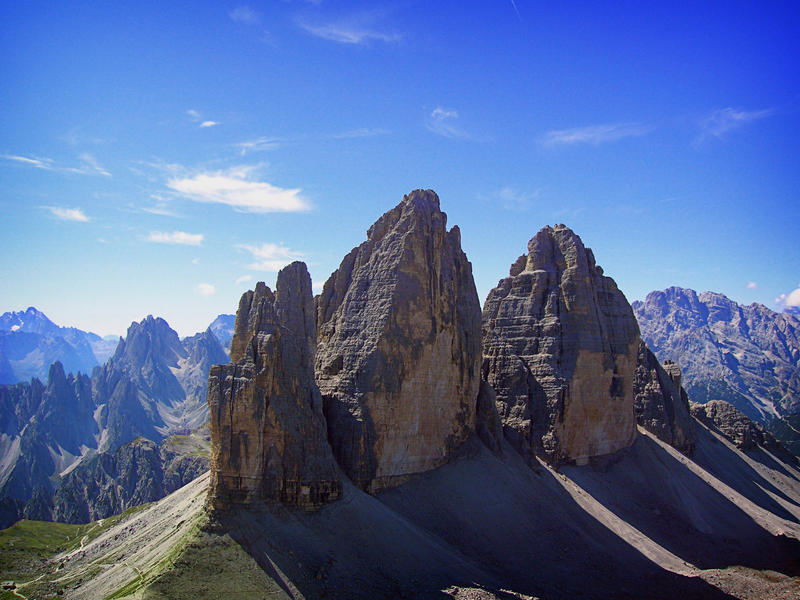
[748, 356]
[152, 387]
[30, 343]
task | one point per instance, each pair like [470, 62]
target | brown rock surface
[560, 346]
[660, 403]
[398, 358]
[268, 438]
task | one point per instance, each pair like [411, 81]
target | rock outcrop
[398, 359]
[660, 403]
[734, 425]
[268, 439]
[560, 346]
[748, 356]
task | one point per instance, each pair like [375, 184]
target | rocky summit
[398, 356]
[268, 438]
[560, 346]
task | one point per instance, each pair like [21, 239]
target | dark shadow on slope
[479, 522]
[726, 465]
[653, 491]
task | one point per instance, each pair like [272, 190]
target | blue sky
[160, 158]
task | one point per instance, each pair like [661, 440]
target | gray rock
[268, 439]
[660, 403]
[560, 346]
[398, 358]
[748, 356]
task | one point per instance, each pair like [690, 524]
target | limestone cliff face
[734, 425]
[268, 439]
[660, 403]
[398, 358]
[560, 346]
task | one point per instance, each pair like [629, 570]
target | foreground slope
[652, 523]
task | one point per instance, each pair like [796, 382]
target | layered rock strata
[268, 439]
[398, 358]
[560, 347]
[660, 403]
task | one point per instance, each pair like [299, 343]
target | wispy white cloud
[259, 144]
[160, 210]
[238, 189]
[89, 165]
[442, 121]
[265, 143]
[357, 29]
[595, 134]
[68, 214]
[243, 279]
[512, 199]
[361, 132]
[195, 116]
[208, 123]
[723, 120]
[270, 257]
[752, 285]
[205, 289]
[246, 15]
[176, 237]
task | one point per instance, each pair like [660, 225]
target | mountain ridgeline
[407, 369]
[388, 439]
[748, 356]
[152, 387]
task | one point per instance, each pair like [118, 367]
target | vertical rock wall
[267, 430]
[560, 346]
[398, 359]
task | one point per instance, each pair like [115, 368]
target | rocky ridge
[748, 356]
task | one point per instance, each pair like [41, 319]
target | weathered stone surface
[398, 358]
[268, 438]
[660, 403]
[560, 346]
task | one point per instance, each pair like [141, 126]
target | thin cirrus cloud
[176, 237]
[358, 29]
[208, 124]
[238, 189]
[790, 299]
[68, 214]
[270, 257]
[595, 134]
[723, 120]
[443, 121]
[246, 15]
[243, 279]
[88, 164]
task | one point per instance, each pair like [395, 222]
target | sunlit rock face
[398, 358]
[560, 346]
[267, 429]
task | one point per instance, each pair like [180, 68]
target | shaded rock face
[660, 403]
[398, 359]
[268, 439]
[560, 347]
